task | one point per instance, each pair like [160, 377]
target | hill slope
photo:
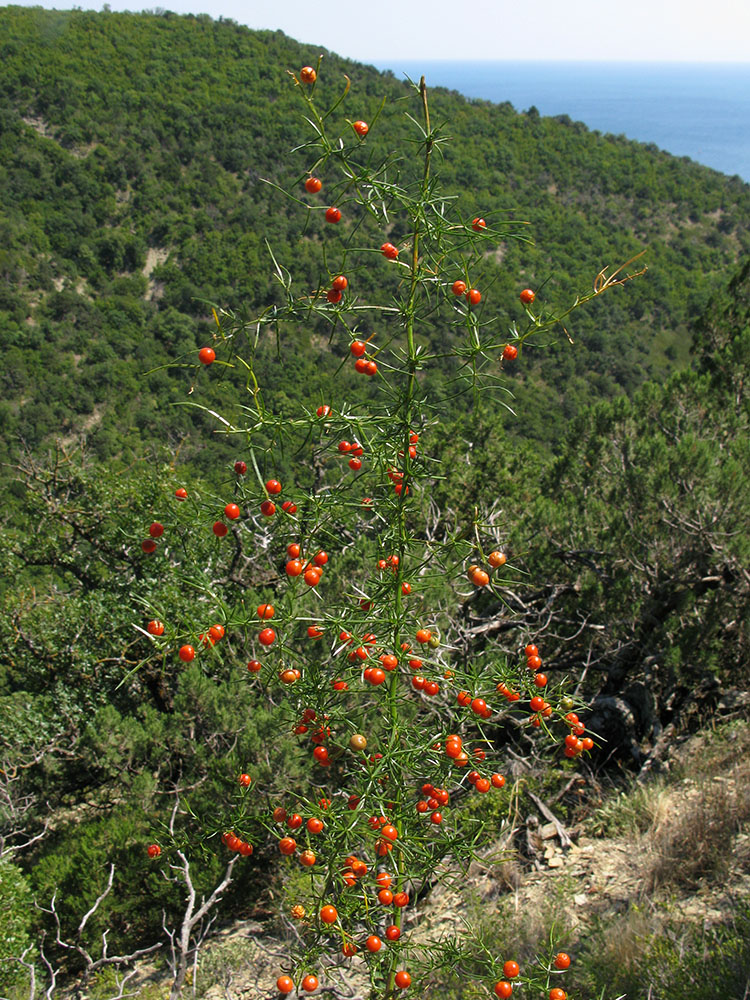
[132, 154]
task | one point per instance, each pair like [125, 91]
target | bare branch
[186, 942]
[100, 899]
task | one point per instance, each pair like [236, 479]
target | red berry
[361, 128]
[220, 529]
[333, 295]
[240, 468]
[153, 850]
[181, 493]
[527, 296]
[186, 654]
[232, 511]
[474, 296]
[511, 969]
[273, 486]
[339, 283]
[287, 845]
[458, 287]
[333, 214]
[313, 185]
[155, 627]
[268, 508]
[324, 410]
[232, 841]
[207, 355]
[478, 225]
[402, 979]
[510, 352]
[148, 545]
[156, 530]
[267, 637]
[390, 251]
[562, 961]
[308, 75]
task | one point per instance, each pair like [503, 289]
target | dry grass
[692, 840]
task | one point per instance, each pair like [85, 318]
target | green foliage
[653, 954]
[16, 917]
[129, 203]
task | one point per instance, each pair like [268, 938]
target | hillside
[177, 693]
[133, 154]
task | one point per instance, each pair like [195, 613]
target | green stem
[407, 421]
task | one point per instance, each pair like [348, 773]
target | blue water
[700, 110]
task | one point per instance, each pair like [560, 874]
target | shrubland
[621, 553]
[136, 151]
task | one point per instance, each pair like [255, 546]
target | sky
[388, 30]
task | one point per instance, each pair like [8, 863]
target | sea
[700, 110]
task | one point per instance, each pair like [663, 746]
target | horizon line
[599, 62]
